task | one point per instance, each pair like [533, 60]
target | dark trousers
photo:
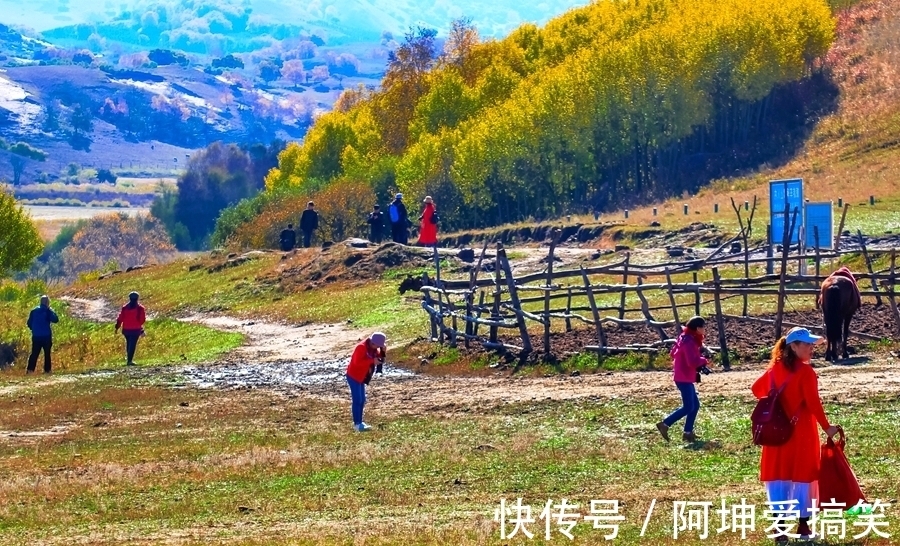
[399, 233]
[690, 406]
[39, 344]
[131, 341]
[375, 235]
[307, 238]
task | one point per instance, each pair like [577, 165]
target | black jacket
[376, 220]
[309, 220]
[401, 210]
[288, 239]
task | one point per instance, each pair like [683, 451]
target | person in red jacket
[428, 224]
[359, 373]
[131, 320]
[790, 471]
[687, 363]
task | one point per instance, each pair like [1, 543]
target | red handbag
[837, 482]
[771, 425]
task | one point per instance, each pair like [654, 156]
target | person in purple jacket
[687, 363]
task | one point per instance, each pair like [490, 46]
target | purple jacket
[686, 359]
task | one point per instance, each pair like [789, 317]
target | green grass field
[128, 461]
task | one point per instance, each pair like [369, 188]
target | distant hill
[137, 86]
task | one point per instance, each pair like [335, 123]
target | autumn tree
[20, 242]
[293, 72]
[117, 238]
[269, 71]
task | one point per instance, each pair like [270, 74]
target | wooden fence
[476, 310]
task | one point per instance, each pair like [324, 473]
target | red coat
[131, 319]
[427, 230]
[362, 362]
[797, 460]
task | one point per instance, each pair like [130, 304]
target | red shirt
[131, 318]
[362, 362]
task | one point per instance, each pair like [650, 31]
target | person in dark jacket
[39, 321]
[376, 225]
[131, 320]
[309, 222]
[399, 220]
[288, 238]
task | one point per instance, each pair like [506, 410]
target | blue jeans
[690, 406]
[358, 399]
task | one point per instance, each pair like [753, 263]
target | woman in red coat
[428, 224]
[131, 320]
[790, 471]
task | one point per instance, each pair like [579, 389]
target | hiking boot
[663, 430]
[689, 437]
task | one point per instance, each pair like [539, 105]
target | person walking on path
[790, 471]
[288, 238]
[687, 364]
[131, 320]
[359, 372]
[309, 222]
[399, 220]
[428, 221]
[376, 225]
[39, 321]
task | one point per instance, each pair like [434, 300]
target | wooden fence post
[720, 321]
[818, 259]
[770, 252]
[862, 244]
[553, 240]
[891, 290]
[514, 299]
[839, 234]
[785, 250]
[598, 322]
[624, 281]
[672, 301]
[432, 320]
[645, 309]
[478, 315]
[696, 297]
[495, 310]
[569, 311]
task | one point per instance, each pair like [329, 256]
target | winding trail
[310, 359]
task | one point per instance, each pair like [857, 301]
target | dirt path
[311, 358]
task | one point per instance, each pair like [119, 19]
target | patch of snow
[12, 98]
[164, 89]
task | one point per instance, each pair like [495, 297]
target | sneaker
[804, 531]
[689, 437]
[130, 364]
[663, 430]
[363, 427]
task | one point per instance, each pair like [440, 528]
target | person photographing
[687, 365]
[367, 360]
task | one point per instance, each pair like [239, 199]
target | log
[645, 309]
[891, 297]
[862, 244]
[514, 296]
[598, 323]
[672, 302]
[554, 239]
[720, 322]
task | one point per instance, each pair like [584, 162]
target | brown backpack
[771, 424]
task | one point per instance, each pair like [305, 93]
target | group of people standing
[309, 223]
[790, 471]
[397, 216]
[130, 320]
